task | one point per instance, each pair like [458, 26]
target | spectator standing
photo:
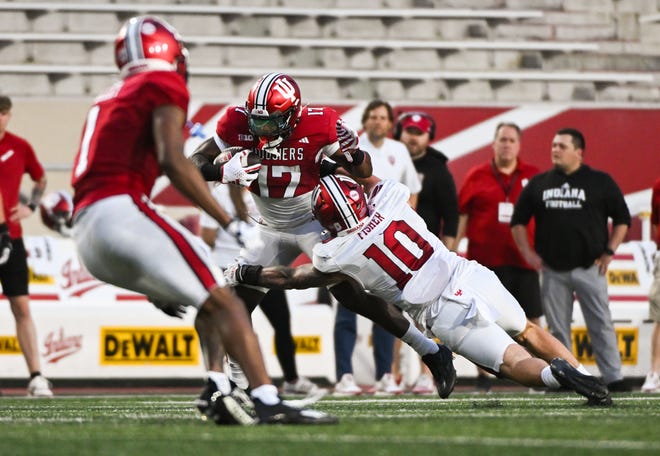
[571, 205]
[17, 157]
[274, 305]
[652, 381]
[437, 203]
[390, 160]
[486, 202]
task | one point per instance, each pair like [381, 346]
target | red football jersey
[117, 153]
[296, 172]
[16, 159]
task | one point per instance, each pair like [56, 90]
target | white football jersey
[394, 256]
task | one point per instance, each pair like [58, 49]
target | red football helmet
[339, 204]
[273, 106]
[56, 209]
[147, 43]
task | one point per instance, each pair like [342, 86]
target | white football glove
[348, 139]
[236, 170]
[246, 235]
[230, 274]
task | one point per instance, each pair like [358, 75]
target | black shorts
[14, 273]
[524, 285]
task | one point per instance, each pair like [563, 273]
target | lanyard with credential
[505, 188]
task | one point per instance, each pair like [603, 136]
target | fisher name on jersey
[393, 255]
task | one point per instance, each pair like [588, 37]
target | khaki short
[654, 292]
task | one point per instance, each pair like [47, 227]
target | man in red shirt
[16, 159]
[486, 203]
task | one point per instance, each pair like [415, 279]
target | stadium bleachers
[513, 50]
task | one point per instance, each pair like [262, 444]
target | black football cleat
[441, 365]
[281, 413]
[234, 406]
[586, 385]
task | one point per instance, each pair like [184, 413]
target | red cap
[422, 123]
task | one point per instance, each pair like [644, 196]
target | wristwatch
[609, 251]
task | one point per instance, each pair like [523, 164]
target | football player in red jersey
[133, 133]
[292, 141]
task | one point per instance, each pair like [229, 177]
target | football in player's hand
[250, 159]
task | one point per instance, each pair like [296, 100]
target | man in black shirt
[437, 203]
[571, 205]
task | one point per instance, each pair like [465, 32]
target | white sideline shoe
[424, 385]
[39, 386]
[347, 386]
[302, 385]
[652, 383]
[386, 386]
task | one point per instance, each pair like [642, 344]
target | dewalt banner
[140, 345]
[628, 339]
[9, 345]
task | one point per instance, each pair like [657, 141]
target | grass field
[465, 424]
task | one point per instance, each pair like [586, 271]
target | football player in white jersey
[383, 246]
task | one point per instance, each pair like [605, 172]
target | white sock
[581, 369]
[418, 341]
[266, 394]
[221, 381]
[548, 379]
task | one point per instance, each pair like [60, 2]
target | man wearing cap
[437, 203]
